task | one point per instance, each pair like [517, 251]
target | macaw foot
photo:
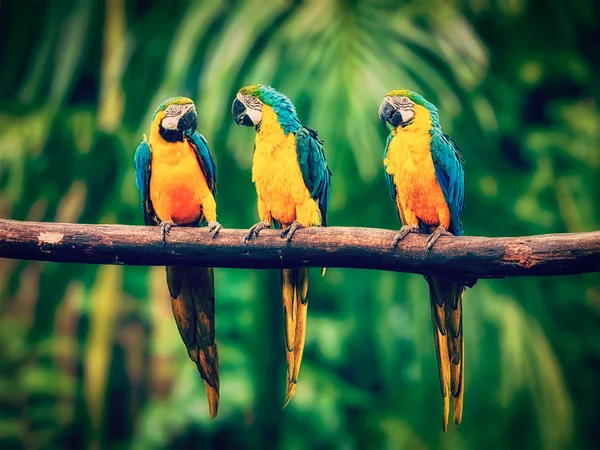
[165, 227]
[439, 231]
[404, 231]
[256, 228]
[214, 227]
[291, 230]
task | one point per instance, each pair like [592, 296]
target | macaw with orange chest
[292, 182]
[176, 177]
[424, 173]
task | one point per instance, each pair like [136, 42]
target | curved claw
[404, 231]
[255, 229]
[165, 227]
[214, 227]
[439, 231]
[290, 231]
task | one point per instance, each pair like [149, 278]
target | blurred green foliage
[90, 356]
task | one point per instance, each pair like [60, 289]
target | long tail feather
[459, 394]
[294, 292]
[446, 317]
[193, 300]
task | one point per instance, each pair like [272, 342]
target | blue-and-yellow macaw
[176, 176]
[292, 182]
[424, 173]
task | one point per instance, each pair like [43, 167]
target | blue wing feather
[142, 161]
[205, 159]
[450, 174]
[388, 178]
[313, 165]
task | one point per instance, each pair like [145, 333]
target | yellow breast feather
[282, 193]
[408, 160]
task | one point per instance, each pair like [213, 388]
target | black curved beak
[188, 122]
[388, 113]
[238, 109]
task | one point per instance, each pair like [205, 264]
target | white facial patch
[255, 115]
[170, 123]
[407, 115]
[253, 107]
[172, 115]
[405, 106]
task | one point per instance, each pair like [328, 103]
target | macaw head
[400, 107]
[247, 107]
[176, 118]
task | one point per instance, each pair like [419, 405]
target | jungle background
[90, 356]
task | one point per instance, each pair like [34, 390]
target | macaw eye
[252, 102]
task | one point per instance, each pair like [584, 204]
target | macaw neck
[423, 123]
[160, 134]
[270, 128]
[167, 152]
[285, 116]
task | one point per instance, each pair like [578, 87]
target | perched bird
[176, 176]
[292, 182]
[425, 177]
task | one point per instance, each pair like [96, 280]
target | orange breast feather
[408, 160]
[178, 188]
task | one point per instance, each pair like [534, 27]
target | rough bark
[465, 258]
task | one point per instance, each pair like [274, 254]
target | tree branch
[464, 258]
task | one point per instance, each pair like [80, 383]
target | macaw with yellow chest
[424, 173]
[292, 182]
[176, 176]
